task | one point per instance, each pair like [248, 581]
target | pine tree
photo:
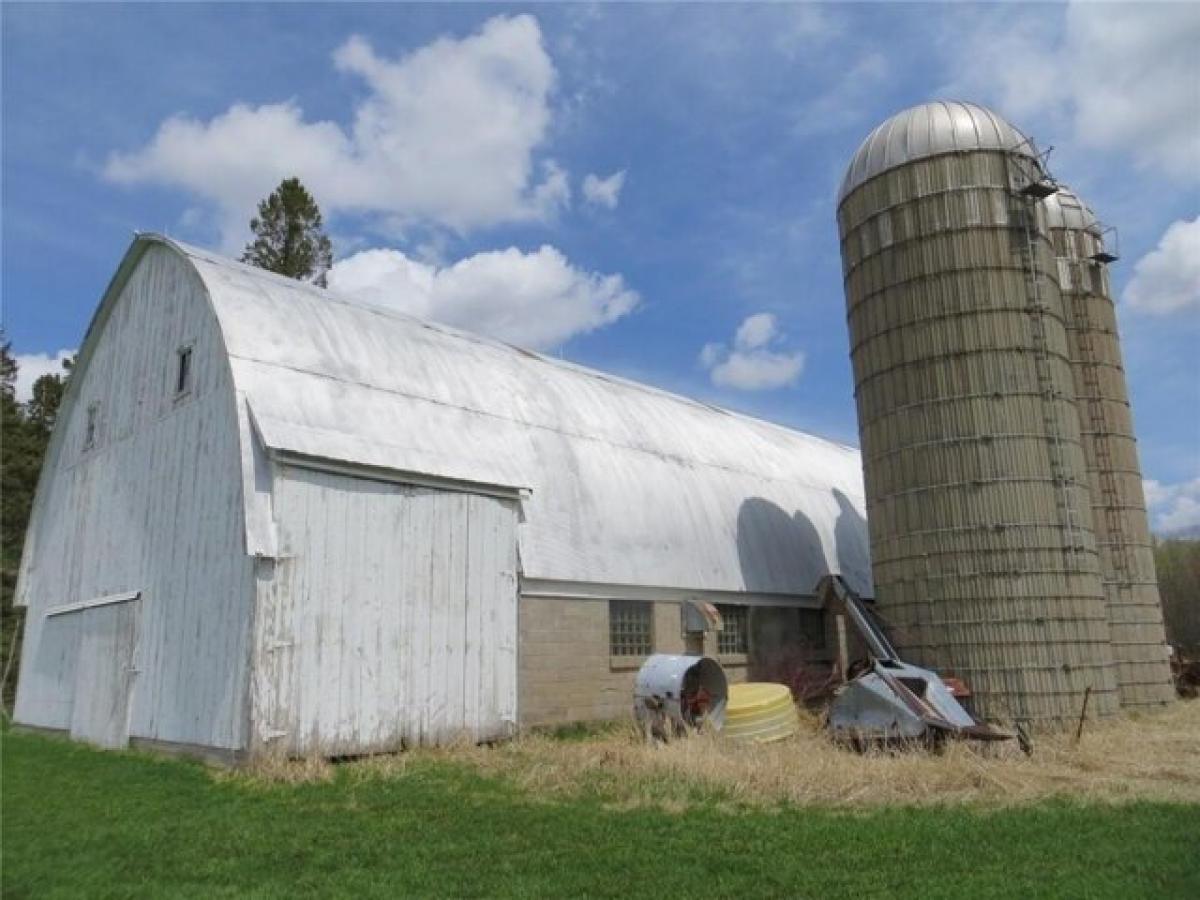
[24, 435]
[18, 473]
[1178, 564]
[41, 411]
[288, 235]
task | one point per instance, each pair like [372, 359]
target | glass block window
[630, 628]
[734, 637]
[812, 627]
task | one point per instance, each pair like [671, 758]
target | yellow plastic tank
[760, 712]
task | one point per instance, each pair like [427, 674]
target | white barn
[274, 519]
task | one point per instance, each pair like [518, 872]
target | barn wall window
[734, 636]
[630, 628]
[183, 371]
[92, 426]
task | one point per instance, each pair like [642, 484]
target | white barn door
[392, 616]
[104, 673]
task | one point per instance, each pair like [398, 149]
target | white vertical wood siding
[105, 673]
[389, 619]
[154, 507]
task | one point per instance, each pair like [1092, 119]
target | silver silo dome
[928, 130]
[982, 544]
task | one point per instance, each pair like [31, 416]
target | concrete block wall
[566, 674]
[564, 670]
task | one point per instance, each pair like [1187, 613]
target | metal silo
[1118, 503]
[979, 513]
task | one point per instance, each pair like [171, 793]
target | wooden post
[1083, 713]
[843, 650]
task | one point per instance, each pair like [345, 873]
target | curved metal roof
[629, 485]
[1064, 209]
[941, 126]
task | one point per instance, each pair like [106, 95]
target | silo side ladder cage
[1109, 241]
[1033, 172]
[1031, 183]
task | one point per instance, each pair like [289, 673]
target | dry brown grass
[276, 769]
[1148, 756]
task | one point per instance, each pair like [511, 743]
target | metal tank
[1135, 617]
[673, 694]
[984, 558]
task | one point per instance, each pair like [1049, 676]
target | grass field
[79, 822]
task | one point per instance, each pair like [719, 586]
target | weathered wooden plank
[105, 673]
[388, 590]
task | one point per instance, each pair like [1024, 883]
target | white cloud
[803, 25]
[445, 135]
[604, 192]
[756, 331]
[1174, 508]
[535, 299]
[847, 101]
[752, 365]
[711, 353]
[760, 370]
[32, 366]
[552, 194]
[1167, 279]
[1124, 75]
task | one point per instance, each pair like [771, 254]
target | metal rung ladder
[1029, 190]
[1093, 399]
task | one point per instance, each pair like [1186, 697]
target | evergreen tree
[24, 436]
[1178, 564]
[41, 412]
[16, 495]
[288, 235]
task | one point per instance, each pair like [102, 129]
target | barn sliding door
[104, 673]
[391, 618]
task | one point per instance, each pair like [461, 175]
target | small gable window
[183, 371]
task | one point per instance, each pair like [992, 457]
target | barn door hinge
[278, 645]
[274, 735]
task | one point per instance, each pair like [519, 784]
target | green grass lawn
[79, 822]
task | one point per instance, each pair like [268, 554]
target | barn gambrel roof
[622, 484]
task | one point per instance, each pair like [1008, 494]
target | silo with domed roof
[982, 540]
[1135, 618]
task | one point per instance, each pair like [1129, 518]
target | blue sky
[647, 190]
